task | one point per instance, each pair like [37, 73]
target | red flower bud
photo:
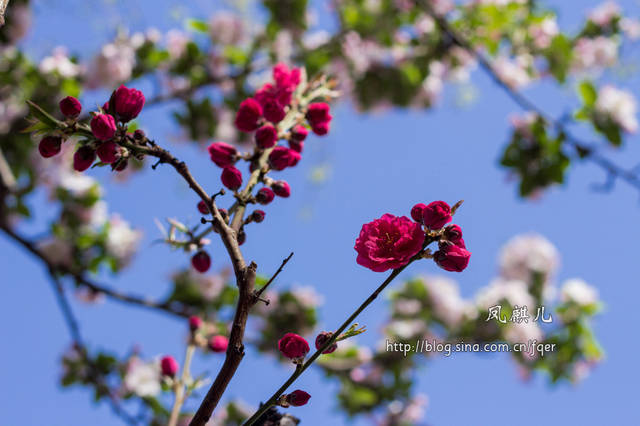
[281, 158]
[70, 107]
[265, 196]
[273, 111]
[299, 133]
[169, 366]
[266, 136]
[108, 152]
[222, 154]
[296, 146]
[319, 118]
[201, 261]
[293, 346]
[298, 398]
[139, 135]
[231, 177]
[258, 216]
[83, 158]
[323, 338]
[417, 212]
[194, 323]
[218, 343]
[452, 258]
[50, 146]
[242, 236]
[281, 188]
[436, 214]
[453, 233]
[248, 115]
[202, 207]
[120, 165]
[128, 103]
[103, 126]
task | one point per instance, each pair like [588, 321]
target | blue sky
[379, 163]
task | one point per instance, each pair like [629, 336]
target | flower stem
[180, 386]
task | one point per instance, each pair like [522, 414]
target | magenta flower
[293, 346]
[453, 233]
[128, 103]
[319, 118]
[103, 126]
[298, 398]
[169, 366]
[436, 214]
[281, 188]
[201, 261]
[231, 178]
[50, 146]
[248, 115]
[265, 195]
[452, 258]
[282, 157]
[218, 343]
[323, 338]
[266, 136]
[83, 158]
[194, 322]
[70, 107]
[108, 152]
[222, 154]
[388, 243]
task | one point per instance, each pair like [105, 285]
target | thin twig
[525, 103]
[258, 293]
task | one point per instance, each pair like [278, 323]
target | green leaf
[198, 26]
[588, 93]
[43, 116]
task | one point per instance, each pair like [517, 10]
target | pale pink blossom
[618, 105]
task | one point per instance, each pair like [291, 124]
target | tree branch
[587, 150]
[258, 293]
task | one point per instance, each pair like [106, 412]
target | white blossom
[578, 291]
[447, 304]
[307, 296]
[226, 28]
[620, 106]
[515, 292]
[176, 43]
[513, 72]
[605, 13]
[596, 52]
[543, 32]
[59, 62]
[143, 378]
[122, 241]
[631, 28]
[113, 65]
[525, 254]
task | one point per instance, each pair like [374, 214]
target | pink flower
[436, 215]
[298, 398]
[108, 152]
[83, 158]
[281, 188]
[453, 233]
[222, 154]
[265, 196]
[169, 366]
[293, 346]
[286, 82]
[202, 207]
[231, 177]
[319, 118]
[417, 212]
[273, 111]
[248, 115]
[281, 158]
[258, 216]
[201, 261]
[194, 323]
[296, 146]
[128, 103]
[299, 133]
[452, 258]
[70, 107]
[50, 146]
[218, 343]
[266, 136]
[323, 338]
[103, 126]
[388, 243]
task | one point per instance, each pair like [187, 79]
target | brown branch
[258, 293]
[584, 148]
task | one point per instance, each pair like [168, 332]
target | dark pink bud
[169, 366]
[266, 136]
[296, 146]
[83, 158]
[436, 214]
[265, 196]
[293, 346]
[50, 146]
[70, 107]
[322, 339]
[218, 343]
[298, 398]
[201, 261]
[120, 165]
[222, 154]
[128, 103]
[103, 126]
[319, 118]
[202, 207]
[231, 177]
[242, 237]
[258, 216]
[248, 115]
[194, 323]
[139, 135]
[273, 111]
[417, 212]
[452, 258]
[453, 233]
[108, 152]
[281, 188]
[281, 158]
[299, 133]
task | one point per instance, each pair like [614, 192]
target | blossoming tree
[254, 128]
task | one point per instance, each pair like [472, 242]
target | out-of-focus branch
[81, 280]
[3, 8]
[586, 150]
